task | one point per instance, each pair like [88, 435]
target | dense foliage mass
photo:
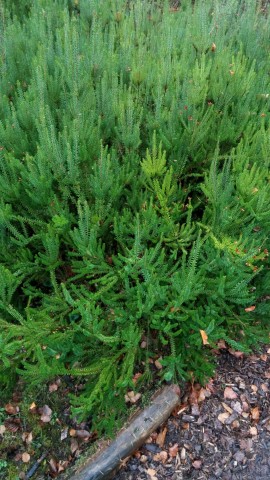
[135, 190]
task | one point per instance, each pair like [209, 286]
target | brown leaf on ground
[11, 409]
[53, 465]
[74, 445]
[136, 377]
[223, 417]
[33, 408]
[26, 457]
[253, 431]
[173, 450]
[46, 414]
[132, 397]
[197, 464]
[27, 437]
[161, 457]
[221, 344]
[83, 434]
[53, 387]
[2, 429]
[250, 309]
[152, 473]
[236, 353]
[226, 407]
[229, 393]
[72, 432]
[255, 413]
[158, 364]
[161, 437]
[204, 337]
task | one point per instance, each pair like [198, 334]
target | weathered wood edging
[108, 461]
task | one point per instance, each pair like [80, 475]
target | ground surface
[221, 432]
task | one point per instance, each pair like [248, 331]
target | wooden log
[129, 440]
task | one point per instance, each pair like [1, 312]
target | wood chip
[223, 417]
[229, 393]
[161, 437]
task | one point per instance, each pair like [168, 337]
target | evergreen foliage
[135, 190]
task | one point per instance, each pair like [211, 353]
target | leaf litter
[220, 431]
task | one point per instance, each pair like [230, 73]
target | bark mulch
[221, 431]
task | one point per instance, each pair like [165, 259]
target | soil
[219, 432]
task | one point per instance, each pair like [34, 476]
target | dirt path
[220, 432]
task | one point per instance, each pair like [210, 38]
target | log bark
[128, 441]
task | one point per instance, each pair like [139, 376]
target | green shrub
[135, 191]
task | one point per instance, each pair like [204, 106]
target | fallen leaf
[72, 432]
[250, 309]
[221, 344]
[11, 409]
[223, 416]
[83, 434]
[152, 473]
[229, 393]
[73, 445]
[255, 413]
[132, 397]
[226, 407]
[136, 377]
[46, 414]
[254, 388]
[161, 457]
[213, 47]
[253, 431]
[264, 357]
[236, 353]
[264, 387]
[32, 407]
[53, 465]
[17, 457]
[197, 464]
[173, 450]
[25, 457]
[267, 374]
[27, 437]
[2, 429]
[204, 337]
[53, 387]
[158, 364]
[161, 437]
[201, 396]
